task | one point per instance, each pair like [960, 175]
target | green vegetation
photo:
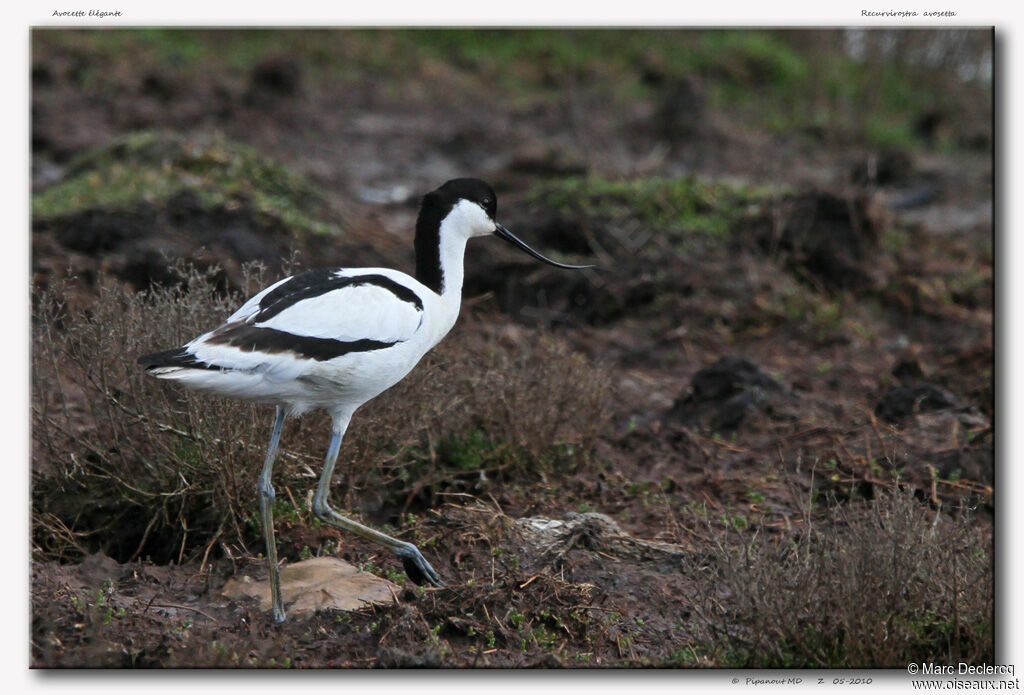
[523, 59]
[783, 81]
[469, 453]
[151, 168]
[386, 571]
[543, 60]
[94, 607]
[884, 133]
[668, 206]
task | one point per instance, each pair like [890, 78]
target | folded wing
[316, 316]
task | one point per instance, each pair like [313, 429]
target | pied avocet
[335, 338]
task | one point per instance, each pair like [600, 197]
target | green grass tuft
[673, 206]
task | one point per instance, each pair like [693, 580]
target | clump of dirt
[833, 239]
[681, 113]
[902, 402]
[273, 79]
[723, 394]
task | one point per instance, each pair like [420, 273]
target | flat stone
[321, 582]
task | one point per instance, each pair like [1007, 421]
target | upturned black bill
[511, 238]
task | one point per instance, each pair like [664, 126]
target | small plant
[755, 496]
[737, 522]
[472, 452]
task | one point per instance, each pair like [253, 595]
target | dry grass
[875, 585]
[136, 467]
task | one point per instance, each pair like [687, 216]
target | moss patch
[150, 168]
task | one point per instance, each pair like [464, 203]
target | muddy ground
[830, 344]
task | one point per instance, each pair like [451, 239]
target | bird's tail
[169, 363]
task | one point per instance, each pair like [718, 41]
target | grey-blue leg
[416, 566]
[265, 492]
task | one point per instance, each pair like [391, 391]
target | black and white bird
[336, 338]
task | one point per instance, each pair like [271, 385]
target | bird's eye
[486, 201]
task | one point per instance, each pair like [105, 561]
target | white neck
[453, 251]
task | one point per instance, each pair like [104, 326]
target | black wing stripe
[271, 341]
[317, 282]
[178, 357]
[298, 283]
